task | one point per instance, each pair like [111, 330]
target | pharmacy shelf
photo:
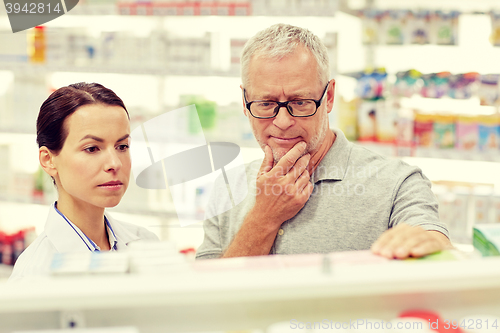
[391, 149]
[465, 6]
[252, 293]
[162, 71]
[386, 149]
[212, 8]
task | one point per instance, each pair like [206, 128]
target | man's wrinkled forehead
[269, 59]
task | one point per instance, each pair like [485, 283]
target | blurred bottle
[37, 45]
[7, 251]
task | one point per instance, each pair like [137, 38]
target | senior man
[315, 192]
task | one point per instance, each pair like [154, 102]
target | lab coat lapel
[62, 235]
[122, 234]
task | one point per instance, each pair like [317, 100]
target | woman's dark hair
[62, 103]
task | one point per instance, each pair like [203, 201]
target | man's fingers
[307, 191]
[395, 240]
[298, 169]
[288, 161]
[405, 247]
[404, 241]
[268, 162]
[436, 242]
[425, 248]
[302, 181]
[382, 241]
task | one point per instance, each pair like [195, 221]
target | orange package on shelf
[368, 111]
[423, 129]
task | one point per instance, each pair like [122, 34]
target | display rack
[343, 5]
[213, 8]
[253, 293]
[465, 6]
[160, 71]
[393, 149]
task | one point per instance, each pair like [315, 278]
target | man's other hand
[405, 241]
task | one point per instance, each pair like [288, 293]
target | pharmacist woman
[83, 134]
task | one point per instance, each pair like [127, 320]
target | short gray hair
[280, 40]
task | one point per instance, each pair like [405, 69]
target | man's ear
[243, 100]
[47, 162]
[330, 95]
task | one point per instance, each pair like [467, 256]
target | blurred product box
[489, 133]
[464, 205]
[495, 28]
[424, 129]
[487, 239]
[347, 117]
[444, 131]
[445, 28]
[407, 83]
[482, 208]
[13, 49]
[461, 222]
[466, 133]
[397, 26]
[236, 49]
[12, 245]
[488, 91]
[393, 27]
[435, 85]
[495, 208]
[294, 7]
[419, 23]
[367, 119]
[5, 168]
[56, 46]
[386, 120]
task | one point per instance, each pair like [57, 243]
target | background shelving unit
[153, 89]
[235, 298]
[147, 91]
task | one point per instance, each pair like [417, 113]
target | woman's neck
[89, 218]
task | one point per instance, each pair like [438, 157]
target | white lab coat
[59, 237]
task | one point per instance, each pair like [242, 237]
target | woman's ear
[47, 162]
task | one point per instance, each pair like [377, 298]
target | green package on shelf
[486, 239]
[206, 114]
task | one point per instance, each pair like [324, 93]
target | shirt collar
[335, 163]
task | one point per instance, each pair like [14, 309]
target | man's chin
[278, 153]
[277, 157]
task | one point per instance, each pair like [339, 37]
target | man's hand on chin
[405, 241]
[284, 188]
[281, 191]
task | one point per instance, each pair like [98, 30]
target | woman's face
[93, 167]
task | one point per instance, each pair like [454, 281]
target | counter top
[253, 292]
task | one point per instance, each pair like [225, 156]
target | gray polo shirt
[357, 195]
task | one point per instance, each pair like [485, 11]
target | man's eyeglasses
[296, 108]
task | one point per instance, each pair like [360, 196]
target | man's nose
[283, 119]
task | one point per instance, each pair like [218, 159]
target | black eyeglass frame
[285, 104]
